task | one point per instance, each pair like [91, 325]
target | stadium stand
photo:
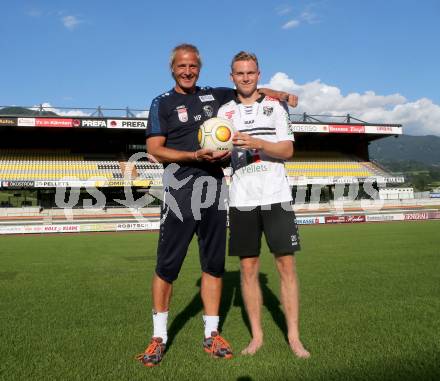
[40, 153]
[148, 170]
[43, 164]
[55, 165]
[331, 164]
[89, 160]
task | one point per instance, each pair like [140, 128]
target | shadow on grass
[231, 295]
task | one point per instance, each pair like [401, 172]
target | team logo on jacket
[182, 113]
[207, 109]
[267, 110]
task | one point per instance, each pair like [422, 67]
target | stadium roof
[42, 116]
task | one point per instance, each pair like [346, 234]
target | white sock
[211, 324]
[160, 320]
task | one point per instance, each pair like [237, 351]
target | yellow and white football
[216, 134]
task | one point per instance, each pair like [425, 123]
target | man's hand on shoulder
[291, 99]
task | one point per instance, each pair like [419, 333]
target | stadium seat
[330, 164]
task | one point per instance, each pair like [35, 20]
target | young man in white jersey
[260, 197]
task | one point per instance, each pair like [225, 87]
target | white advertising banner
[64, 183]
[38, 229]
[127, 123]
[383, 130]
[312, 220]
[317, 128]
[345, 128]
[26, 122]
[153, 225]
[385, 217]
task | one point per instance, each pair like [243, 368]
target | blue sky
[377, 59]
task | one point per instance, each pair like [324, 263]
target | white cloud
[34, 13]
[70, 22]
[421, 117]
[283, 9]
[46, 106]
[290, 24]
[309, 17]
[62, 112]
[305, 17]
[143, 114]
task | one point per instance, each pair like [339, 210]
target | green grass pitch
[77, 307]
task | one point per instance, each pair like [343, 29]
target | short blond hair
[244, 56]
[186, 48]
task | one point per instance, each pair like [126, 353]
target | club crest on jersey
[206, 98]
[182, 113]
[207, 109]
[267, 110]
[229, 114]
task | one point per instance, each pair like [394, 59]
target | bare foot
[253, 347]
[298, 349]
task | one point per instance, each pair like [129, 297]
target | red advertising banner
[416, 216]
[346, 129]
[53, 122]
[434, 215]
[334, 219]
[344, 219]
[352, 219]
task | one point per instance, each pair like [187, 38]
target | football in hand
[216, 134]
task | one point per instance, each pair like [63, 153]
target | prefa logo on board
[53, 122]
[127, 123]
[99, 123]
